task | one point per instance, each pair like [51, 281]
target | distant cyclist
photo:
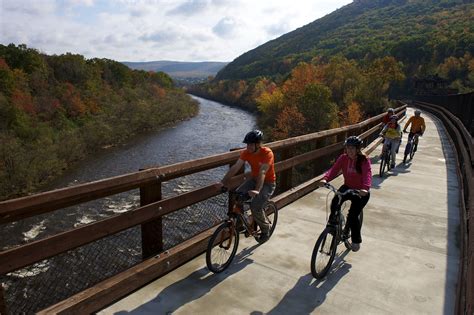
[357, 173]
[386, 118]
[261, 185]
[418, 127]
[392, 134]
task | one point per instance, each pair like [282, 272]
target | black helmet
[390, 110]
[254, 136]
[354, 141]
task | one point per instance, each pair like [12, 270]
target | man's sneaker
[264, 236]
[355, 247]
[392, 165]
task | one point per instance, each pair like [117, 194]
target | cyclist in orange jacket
[262, 182]
[417, 127]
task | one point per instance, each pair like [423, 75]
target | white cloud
[141, 30]
[225, 27]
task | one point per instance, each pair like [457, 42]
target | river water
[216, 129]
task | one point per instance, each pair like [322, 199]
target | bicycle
[386, 161]
[335, 232]
[224, 241]
[411, 147]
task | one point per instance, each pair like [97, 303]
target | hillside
[415, 32]
[178, 69]
[55, 110]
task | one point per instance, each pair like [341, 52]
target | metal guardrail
[157, 259]
[464, 145]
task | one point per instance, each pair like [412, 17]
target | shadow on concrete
[308, 292]
[191, 288]
[453, 213]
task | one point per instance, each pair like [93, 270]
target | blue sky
[146, 30]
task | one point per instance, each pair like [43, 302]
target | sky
[149, 30]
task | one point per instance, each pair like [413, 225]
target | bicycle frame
[240, 207]
[386, 158]
[339, 216]
[412, 142]
[321, 252]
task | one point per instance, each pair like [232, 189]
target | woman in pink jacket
[356, 169]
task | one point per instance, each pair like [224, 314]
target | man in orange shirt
[417, 127]
[261, 185]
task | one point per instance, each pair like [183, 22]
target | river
[216, 129]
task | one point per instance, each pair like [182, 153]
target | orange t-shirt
[263, 156]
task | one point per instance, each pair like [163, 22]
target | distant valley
[180, 70]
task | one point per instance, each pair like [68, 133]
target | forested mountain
[54, 110]
[180, 69]
[420, 33]
[340, 69]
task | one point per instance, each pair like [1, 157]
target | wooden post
[152, 232]
[286, 175]
[3, 302]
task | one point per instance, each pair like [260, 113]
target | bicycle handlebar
[334, 190]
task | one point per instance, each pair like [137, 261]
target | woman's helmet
[354, 141]
[394, 117]
[254, 136]
[417, 112]
[390, 110]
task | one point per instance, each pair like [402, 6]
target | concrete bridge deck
[408, 262]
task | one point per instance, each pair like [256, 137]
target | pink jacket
[352, 179]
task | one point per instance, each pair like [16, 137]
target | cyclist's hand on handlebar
[322, 182]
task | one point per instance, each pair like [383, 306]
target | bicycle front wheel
[383, 163]
[412, 153]
[323, 253]
[222, 247]
[407, 152]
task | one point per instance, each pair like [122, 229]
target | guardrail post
[286, 175]
[3, 303]
[152, 232]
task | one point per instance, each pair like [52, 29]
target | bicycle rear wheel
[222, 247]
[323, 253]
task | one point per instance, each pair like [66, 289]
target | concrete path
[408, 262]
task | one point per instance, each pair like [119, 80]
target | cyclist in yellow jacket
[392, 134]
[418, 127]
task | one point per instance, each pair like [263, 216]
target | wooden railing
[464, 145]
[153, 207]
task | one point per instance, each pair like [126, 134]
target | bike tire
[407, 152]
[224, 238]
[383, 165]
[323, 253]
[412, 153]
